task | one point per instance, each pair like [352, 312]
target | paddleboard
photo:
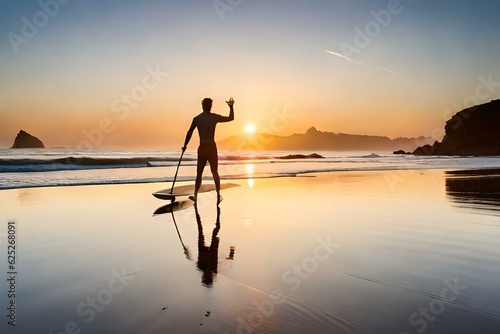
[173, 207]
[187, 190]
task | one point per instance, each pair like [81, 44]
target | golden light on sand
[251, 183]
[249, 128]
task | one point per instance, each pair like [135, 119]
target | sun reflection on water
[250, 168]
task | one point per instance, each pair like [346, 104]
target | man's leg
[200, 166]
[214, 168]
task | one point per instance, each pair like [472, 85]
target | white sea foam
[63, 167]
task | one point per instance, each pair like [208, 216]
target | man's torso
[206, 123]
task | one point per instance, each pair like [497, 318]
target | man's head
[206, 104]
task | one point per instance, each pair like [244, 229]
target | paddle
[176, 171]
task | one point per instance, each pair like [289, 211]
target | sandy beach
[345, 252]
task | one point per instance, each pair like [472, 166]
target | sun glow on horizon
[250, 128]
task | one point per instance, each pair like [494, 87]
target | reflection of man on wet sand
[207, 151]
[208, 256]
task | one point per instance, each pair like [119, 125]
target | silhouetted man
[207, 151]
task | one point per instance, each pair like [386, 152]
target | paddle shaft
[186, 250]
[178, 233]
[176, 171]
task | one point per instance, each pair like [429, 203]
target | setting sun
[249, 128]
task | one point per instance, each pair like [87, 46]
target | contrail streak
[360, 63]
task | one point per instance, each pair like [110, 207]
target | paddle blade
[173, 207]
[164, 196]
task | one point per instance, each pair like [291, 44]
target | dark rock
[399, 152]
[25, 140]
[471, 132]
[426, 149]
[302, 156]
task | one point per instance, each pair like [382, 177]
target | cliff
[471, 132]
[25, 140]
[314, 139]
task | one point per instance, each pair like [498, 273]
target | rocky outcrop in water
[25, 140]
[302, 156]
[473, 131]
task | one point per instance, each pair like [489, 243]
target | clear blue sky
[404, 79]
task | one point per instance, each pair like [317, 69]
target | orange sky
[133, 75]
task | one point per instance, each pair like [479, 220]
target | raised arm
[188, 135]
[229, 118]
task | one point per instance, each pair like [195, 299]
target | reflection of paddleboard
[188, 190]
[173, 207]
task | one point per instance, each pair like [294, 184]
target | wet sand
[344, 252]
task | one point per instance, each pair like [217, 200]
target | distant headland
[314, 139]
[25, 140]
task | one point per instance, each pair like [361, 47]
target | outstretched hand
[230, 102]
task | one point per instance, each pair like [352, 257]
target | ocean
[23, 168]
